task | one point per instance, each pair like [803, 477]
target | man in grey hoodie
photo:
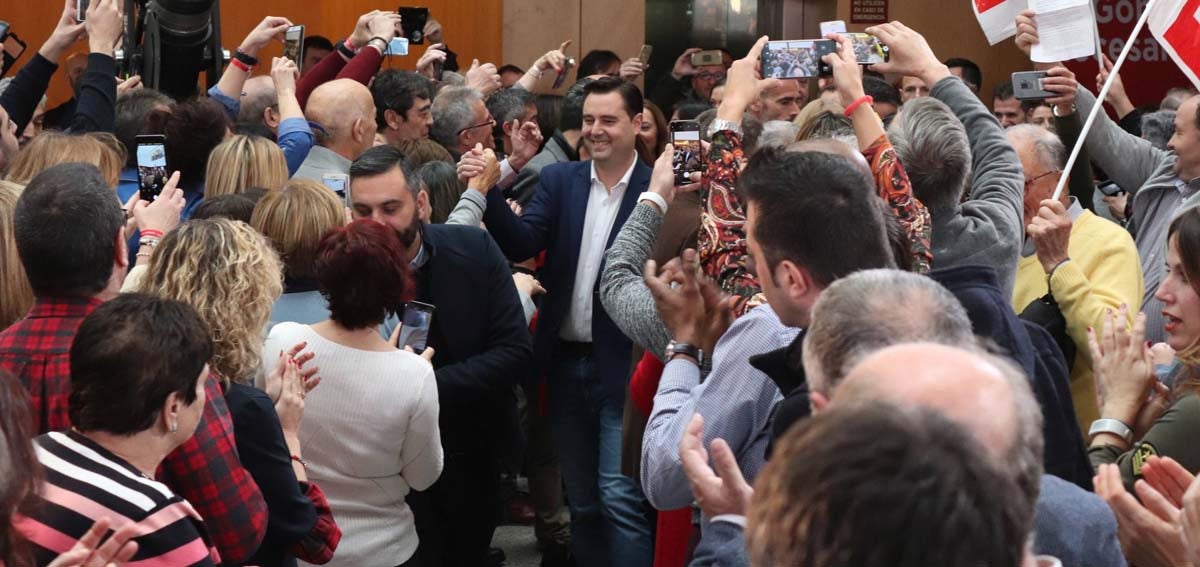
[941, 140]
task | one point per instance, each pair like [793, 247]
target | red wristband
[303, 464]
[241, 65]
[151, 233]
[349, 43]
[865, 99]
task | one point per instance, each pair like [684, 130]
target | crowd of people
[868, 331]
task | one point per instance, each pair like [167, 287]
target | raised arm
[295, 136]
[95, 110]
[234, 77]
[551, 60]
[29, 85]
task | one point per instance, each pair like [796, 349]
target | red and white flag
[1176, 26]
[998, 17]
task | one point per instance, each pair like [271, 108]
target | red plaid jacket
[205, 471]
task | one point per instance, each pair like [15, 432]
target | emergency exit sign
[868, 11]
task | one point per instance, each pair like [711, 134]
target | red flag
[1176, 25]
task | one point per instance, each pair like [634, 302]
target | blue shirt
[294, 135]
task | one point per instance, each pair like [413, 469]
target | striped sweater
[83, 482]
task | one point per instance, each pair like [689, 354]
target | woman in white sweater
[370, 432]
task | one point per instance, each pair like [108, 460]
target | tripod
[169, 42]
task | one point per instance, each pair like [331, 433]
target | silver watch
[718, 125]
[675, 347]
[1113, 426]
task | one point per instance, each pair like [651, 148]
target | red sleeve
[325, 71]
[320, 543]
[644, 383]
[364, 66]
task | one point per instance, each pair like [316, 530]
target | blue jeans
[610, 517]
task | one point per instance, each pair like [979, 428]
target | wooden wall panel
[472, 28]
[555, 21]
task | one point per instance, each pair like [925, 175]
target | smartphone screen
[415, 325]
[398, 46]
[293, 43]
[81, 7]
[867, 49]
[337, 182]
[799, 59]
[685, 137]
[412, 21]
[152, 166]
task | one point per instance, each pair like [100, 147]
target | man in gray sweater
[943, 138]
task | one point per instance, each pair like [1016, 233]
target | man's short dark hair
[380, 160]
[234, 206]
[1003, 91]
[571, 117]
[66, 224]
[133, 108]
[318, 41]
[508, 105]
[875, 485]
[129, 356]
[629, 93]
[193, 129]
[362, 273]
[971, 74]
[881, 90]
[691, 109]
[595, 62]
[510, 68]
[804, 203]
[398, 91]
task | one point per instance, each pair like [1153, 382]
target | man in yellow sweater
[1088, 264]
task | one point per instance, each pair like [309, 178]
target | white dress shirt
[602, 207]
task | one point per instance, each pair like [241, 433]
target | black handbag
[1045, 313]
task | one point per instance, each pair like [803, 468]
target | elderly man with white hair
[1071, 257]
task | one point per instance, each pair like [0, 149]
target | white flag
[998, 17]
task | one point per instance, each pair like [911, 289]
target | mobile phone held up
[152, 166]
[81, 7]
[867, 49]
[338, 182]
[685, 137]
[293, 43]
[797, 59]
[412, 21]
[1027, 85]
[705, 58]
[644, 54]
[414, 330]
[566, 71]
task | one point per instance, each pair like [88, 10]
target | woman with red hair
[370, 433]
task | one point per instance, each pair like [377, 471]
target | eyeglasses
[1029, 182]
[711, 76]
[490, 122]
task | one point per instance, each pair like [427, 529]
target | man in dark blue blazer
[576, 211]
[481, 348]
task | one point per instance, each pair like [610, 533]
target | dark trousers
[457, 516]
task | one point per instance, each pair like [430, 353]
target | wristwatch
[718, 125]
[675, 348]
[1113, 426]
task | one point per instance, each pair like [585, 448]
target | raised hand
[1050, 231]
[471, 164]
[1122, 365]
[847, 74]
[683, 64]
[271, 28]
[362, 29]
[553, 59]
[910, 54]
[105, 24]
[1027, 32]
[632, 68]
[484, 78]
[744, 84]
[677, 296]
[384, 25]
[436, 53]
[68, 31]
[1117, 96]
[526, 143]
[1150, 532]
[720, 492]
[490, 174]
[290, 405]
[163, 213]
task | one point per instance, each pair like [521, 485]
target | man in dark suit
[575, 213]
[481, 346]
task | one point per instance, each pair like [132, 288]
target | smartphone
[867, 49]
[398, 46]
[835, 26]
[293, 43]
[81, 7]
[414, 330]
[438, 68]
[152, 166]
[1109, 189]
[709, 57]
[685, 137]
[338, 182]
[644, 54]
[797, 59]
[1027, 85]
[566, 70]
[412, 21]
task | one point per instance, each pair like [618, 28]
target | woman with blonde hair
[242, 162]
[16, 297]
[294, 220]
[49, 149]
[231, 276]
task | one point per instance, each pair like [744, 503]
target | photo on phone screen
[152, 166]
[337, 182]
[685, 137]
[867, 49]
[293, 43]
[799, 59]
[414, 331]
[412, 22]
[398, 46]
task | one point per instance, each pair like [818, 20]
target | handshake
[479, 169]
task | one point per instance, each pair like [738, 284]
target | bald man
[345, 112]
[260, 103]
